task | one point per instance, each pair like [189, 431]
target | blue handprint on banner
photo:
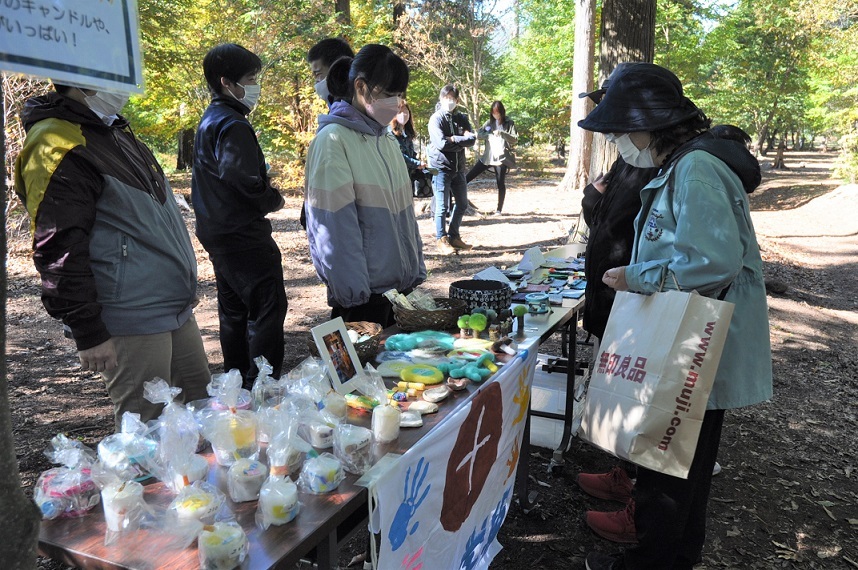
[399, 530]
[478, 543]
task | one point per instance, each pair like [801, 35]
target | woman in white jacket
[499, 136]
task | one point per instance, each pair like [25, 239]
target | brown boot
[444, 246]
[459, 244]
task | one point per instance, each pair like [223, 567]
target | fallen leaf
[829, 513]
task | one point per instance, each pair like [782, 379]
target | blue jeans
[446, 183]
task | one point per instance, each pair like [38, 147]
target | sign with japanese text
[87, 43]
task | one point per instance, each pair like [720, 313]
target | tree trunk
[185, 157]
[627, 34]
[578, 164]
[779, 158]
[19, 517]
[343, 10]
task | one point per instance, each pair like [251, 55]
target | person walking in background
[321, 57]
[361, 225]
[402, 128]
[114, 255]
[449, 134]
[694, 229]
[231, 194]
[500, 136]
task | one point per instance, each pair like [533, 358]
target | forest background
[784, 70]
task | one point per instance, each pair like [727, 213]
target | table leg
[571, 347]
[526, 498]
[327, 552]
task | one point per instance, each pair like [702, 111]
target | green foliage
[536, 70]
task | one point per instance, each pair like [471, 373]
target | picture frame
[339, 355]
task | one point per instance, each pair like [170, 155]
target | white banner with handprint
[443, 503]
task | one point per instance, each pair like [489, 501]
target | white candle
[278, 501]
[352, 447]
[194, 503]
[322, 474]
[245, 479]
[122, 506]
[321, 435]
[223, 546]
[196, 470]
[385, 423]
[336, 404]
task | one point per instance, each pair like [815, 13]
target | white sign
[443, 503]
[87, 43]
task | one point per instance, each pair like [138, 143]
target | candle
[196, 470]
[352, 446]
[385, 423]
[335, 403]
[122, 506]
[322, 474]
[321, 435]
[245, 479]
[194, 502]
[278, 501]
[222, 546]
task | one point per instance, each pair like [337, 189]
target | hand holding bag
[653, 375]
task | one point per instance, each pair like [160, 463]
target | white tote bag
[652, 378]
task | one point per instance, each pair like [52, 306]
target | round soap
[422, 373]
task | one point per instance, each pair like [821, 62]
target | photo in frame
[339, 354]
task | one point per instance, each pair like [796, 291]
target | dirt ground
[788, 493]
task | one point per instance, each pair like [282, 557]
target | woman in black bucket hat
[694, 231]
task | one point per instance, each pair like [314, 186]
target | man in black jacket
[450, 134]
[232, 193]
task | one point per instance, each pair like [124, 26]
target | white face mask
[106, 105]
[402, 118]
[641, 158]
[383, 110]
[448, 105]
[321, 88]
[251, 95]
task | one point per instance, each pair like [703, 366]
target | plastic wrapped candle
[245, 479]
[335, 403]
[196, 470]
[222, 546]
[353, 446]
[122, 506]
[385, 423]
[278, 501]
[321, 474]
[197, 501]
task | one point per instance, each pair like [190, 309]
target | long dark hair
[408, 127]
[497, 106]
[376, 64]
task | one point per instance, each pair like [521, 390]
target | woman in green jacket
[694, 231]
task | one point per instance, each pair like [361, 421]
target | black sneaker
[599, 561]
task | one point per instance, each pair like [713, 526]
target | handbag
[652, 377]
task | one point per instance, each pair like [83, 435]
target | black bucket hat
[597, 94]
[641, 97]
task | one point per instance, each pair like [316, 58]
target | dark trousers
[251, 306]
[670, 513]
[500, 178]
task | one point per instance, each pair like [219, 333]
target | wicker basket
[441, 319]
[367, 349]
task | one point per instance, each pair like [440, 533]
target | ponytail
[339, 85]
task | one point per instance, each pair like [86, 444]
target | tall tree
[580, 141]
[627, 34]
[451, 40]
[19, 517]
[759, 70]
